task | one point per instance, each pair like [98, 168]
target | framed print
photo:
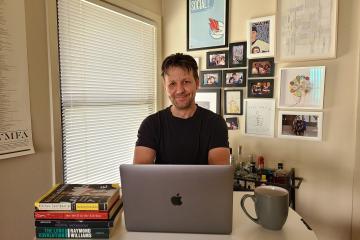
[210, 78]
[237, 54]
[232, 123]
[262, 67]
[234, 78]
[217, 59]
[302, 87]
[259, 117]
[233, 102]
[307, 29]
[261, 37]
[207, 24]
[300, 125]
[260, 88]
[209, 99]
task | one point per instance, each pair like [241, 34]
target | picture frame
[207, 24]
[209, 99]
[318, 40]
[217, 59]
[232, 123]
[234, 77]
[237, 54]
[262, 67]
[302, 87]
[261, 37]
[260, 88]
[211, 78]
[233, 102]
[259, 117]
[300, 125]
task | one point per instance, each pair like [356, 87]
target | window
[108, 86]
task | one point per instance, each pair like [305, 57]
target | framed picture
[263, 67]
[260, 88]
[233, 102]
[207, 24]
[259, 117]
[234, 78]
[237, 54]
[232, 123]
[300, 125]
[209, 99]
[210, 78]
[217, 59]
[315, 41]
[261, 37]
[302, 87]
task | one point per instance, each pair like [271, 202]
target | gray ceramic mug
[271, 206]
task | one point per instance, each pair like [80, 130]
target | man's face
[181, 87]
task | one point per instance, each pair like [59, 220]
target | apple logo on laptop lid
[176, 200]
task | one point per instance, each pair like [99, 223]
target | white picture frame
[302, 87]
[209, 99]
[259, 117]
[261, 37]
[308, 128]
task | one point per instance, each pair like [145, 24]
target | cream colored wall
[325, 197]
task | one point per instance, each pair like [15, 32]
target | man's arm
[144, 155]
[219, 156]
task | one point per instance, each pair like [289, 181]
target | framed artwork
[262, 67]
[300, 125]
[210, 78]
[232, 123]
[209, 99]
[207, 24]
[317, 40]
[234, 78]
[259, 117]
[261, 37]
[260, 88]
[233, 102]
[237, 54]
[302, 87]
[217, 59]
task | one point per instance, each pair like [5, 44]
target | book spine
[74, 224]
[71, 215]
[103, 206]
[72, 233]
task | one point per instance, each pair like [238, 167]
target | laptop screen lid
[178, 198]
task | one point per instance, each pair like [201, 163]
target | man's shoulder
[157, 115]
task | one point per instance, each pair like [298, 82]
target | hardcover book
[79, 197]
[73, 233]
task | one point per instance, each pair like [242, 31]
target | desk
[243, 229]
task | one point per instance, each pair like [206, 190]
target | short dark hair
[254, 29]
[181, 60]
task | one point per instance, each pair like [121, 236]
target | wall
[325, 197]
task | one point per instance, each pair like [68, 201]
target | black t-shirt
[183, 141]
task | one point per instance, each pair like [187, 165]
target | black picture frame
[237, 54]
[217, 59]
[234, 77]
[260, 88]
[261, 67]
[212, 79]
[205, 98]
[232, 123]
[233, 102]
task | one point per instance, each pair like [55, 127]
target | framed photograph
[234, 78]
[260, 88]
[210, 78]
[232, 123]
[261, 37]
[209, 99]
[259, 117]
[207, 24]
[302, 87]
[300, 125]
[233, 102]
[263, 67]
[237, 54]
[217, 59]
[308, 29]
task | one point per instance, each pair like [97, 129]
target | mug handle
[255, 220]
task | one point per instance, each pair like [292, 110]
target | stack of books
[78, 211]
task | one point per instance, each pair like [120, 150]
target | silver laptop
[178, 198]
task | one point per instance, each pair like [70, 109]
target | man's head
[253, 34]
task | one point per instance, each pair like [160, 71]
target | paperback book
[73, 233]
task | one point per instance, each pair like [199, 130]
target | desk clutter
[78, 211]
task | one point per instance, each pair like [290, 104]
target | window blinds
[108, 84]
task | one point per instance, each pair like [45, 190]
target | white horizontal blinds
[107, 75]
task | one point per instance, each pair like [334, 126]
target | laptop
[178, 198]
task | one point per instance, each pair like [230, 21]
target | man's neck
[183, 113]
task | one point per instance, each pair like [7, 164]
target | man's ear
[197, 81]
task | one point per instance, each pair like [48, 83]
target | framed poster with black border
[260, 88]
[209, 99]
[233, 102]
[217, 59]
[261, 67]
[237, 54]
[235, 77]
[211, 78]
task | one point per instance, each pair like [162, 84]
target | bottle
[280, 175]
[260, 162]
[232, 162]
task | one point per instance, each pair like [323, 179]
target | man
[183, 133]
[258, 45]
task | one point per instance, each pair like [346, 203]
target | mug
[271, 206]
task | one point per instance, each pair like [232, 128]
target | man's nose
[180, 88]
